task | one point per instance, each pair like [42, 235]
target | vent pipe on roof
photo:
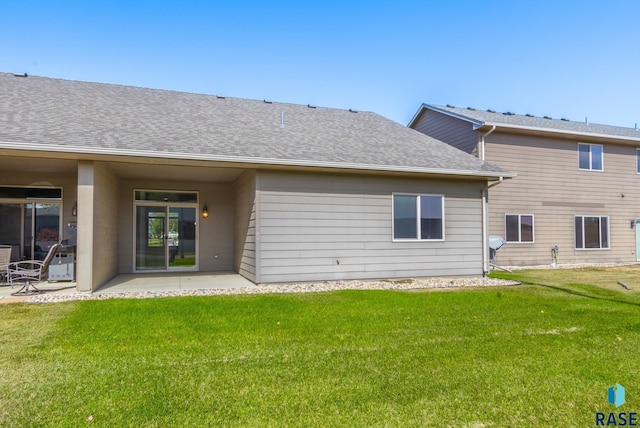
[282, 120]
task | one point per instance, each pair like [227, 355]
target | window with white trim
[418, 217]
[590, 157]
[592, 232]
[518, 227]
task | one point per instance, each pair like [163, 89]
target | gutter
[485, 226]
[558, 131]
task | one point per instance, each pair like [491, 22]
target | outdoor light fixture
[205, 212]
[74, 210]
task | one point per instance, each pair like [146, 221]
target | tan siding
[245, 225]
[106, 222]
[455, 132]
[320, 227]
[550, 186]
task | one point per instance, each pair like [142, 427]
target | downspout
[485, 225]
[485, 199]
[482, 136]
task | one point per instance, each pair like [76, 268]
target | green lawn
[530, 355]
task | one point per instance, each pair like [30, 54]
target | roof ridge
[184, 92]
[461, 110]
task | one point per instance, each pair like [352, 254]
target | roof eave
[252, 160]
[558, 131]
[476, 123]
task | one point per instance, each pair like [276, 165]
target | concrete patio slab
[46, 287]
[131, 283]
[137, 283]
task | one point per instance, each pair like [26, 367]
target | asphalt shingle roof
[39, 111]
[486, 117]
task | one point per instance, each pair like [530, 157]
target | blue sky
[573, 59]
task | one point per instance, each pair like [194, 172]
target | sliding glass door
[165, 235]
[30, 228]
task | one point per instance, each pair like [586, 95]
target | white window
[418, 217]
[590, 157]
[592, 232]
[519, 227]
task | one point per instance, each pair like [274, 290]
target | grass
[533, 355]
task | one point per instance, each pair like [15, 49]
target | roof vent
[450, 106]
[267, 102]
[220, 97]
[508, 113]
[564, 119]
[353, 111]
[529, 115]
[310, 106]
[471, 108]
[20, 75]
[547, 117]
[491, 111]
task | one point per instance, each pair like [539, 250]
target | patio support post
[84, 266]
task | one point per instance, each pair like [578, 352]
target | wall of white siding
[328, 227]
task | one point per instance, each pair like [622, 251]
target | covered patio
[99, 203]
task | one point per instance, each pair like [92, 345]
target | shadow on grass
[581, 294]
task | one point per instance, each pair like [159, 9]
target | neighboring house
[162, 181]
[578, 184]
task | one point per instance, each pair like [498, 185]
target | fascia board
[558, 131]
[476, 123]
[248, 160]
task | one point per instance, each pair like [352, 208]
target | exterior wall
[245, 225]
[328, 227]
[215, 233]
[105, 232]
[552, 188]
[67, 182]
[455, 132]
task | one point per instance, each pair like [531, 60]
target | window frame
[591, 168]
[418, 238]
[608, 231]
[520, 241]
[637, 160]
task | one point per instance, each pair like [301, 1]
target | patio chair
[5, 258]
[30, 271]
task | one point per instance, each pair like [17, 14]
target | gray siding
[245, 225]
[550, 186]
[329, 227]
[455, 132]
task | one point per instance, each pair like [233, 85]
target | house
[160, 181]
[578, 184]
